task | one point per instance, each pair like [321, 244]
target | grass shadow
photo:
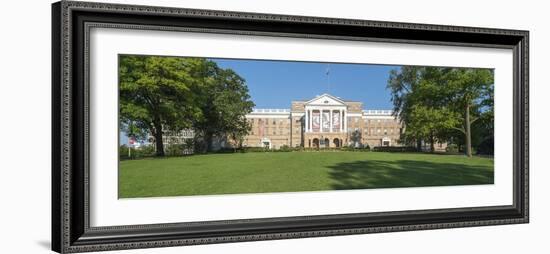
[368, 174]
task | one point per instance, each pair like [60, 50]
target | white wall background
[25, 126]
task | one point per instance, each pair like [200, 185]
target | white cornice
[378, 112]
[325, 95]
[270, 111]
[281, 116]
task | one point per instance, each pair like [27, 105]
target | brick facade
[325, 121]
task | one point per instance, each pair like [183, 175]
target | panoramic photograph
[208, 126]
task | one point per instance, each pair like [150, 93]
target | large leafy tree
[156, 94]
[238, 134]
[416, 100]
[429, 123]
[159, 94]
[431, 101]
[470, 93]
[224, 103]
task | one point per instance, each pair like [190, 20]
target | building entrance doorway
[386, 141]
[266, 143]
[336, 142]
[315, 143]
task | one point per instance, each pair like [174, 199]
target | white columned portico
[331, 122]
[321, 104]
[340, 120]
[320, 120]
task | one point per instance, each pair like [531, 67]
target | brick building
[324, 121]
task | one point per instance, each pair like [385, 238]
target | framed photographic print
[181, 126]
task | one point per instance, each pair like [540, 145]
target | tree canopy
[224, 103]
[173, 93]
[436, 102]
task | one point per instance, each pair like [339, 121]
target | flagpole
[328, 77]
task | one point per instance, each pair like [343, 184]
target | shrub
[174, 150]
[347, 148]
[394, 149]
[299, 148]
[255, 149]
[451, 148]
[285, 148]
[355, 149]
[228, 150]
[136, 153]
[123, 152]
[147, 151]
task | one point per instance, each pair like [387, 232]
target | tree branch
[406, 88]
[459, 129]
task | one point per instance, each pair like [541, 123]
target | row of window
[275, 131]
[369, 131]
[378, 131]
[267, 121]
[281, 121]
[371, 121]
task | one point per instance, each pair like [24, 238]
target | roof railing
[270, 110]
[378, 112]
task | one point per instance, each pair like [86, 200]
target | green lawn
[296, 171]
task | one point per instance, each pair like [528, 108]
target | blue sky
[274, 84]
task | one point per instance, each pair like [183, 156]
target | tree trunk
[158, 139]
[432, 145]
[208, 140]
[467, 131]
[419, 145]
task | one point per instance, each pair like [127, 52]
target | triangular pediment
[326, 99]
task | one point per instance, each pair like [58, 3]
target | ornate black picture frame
[71, 22]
